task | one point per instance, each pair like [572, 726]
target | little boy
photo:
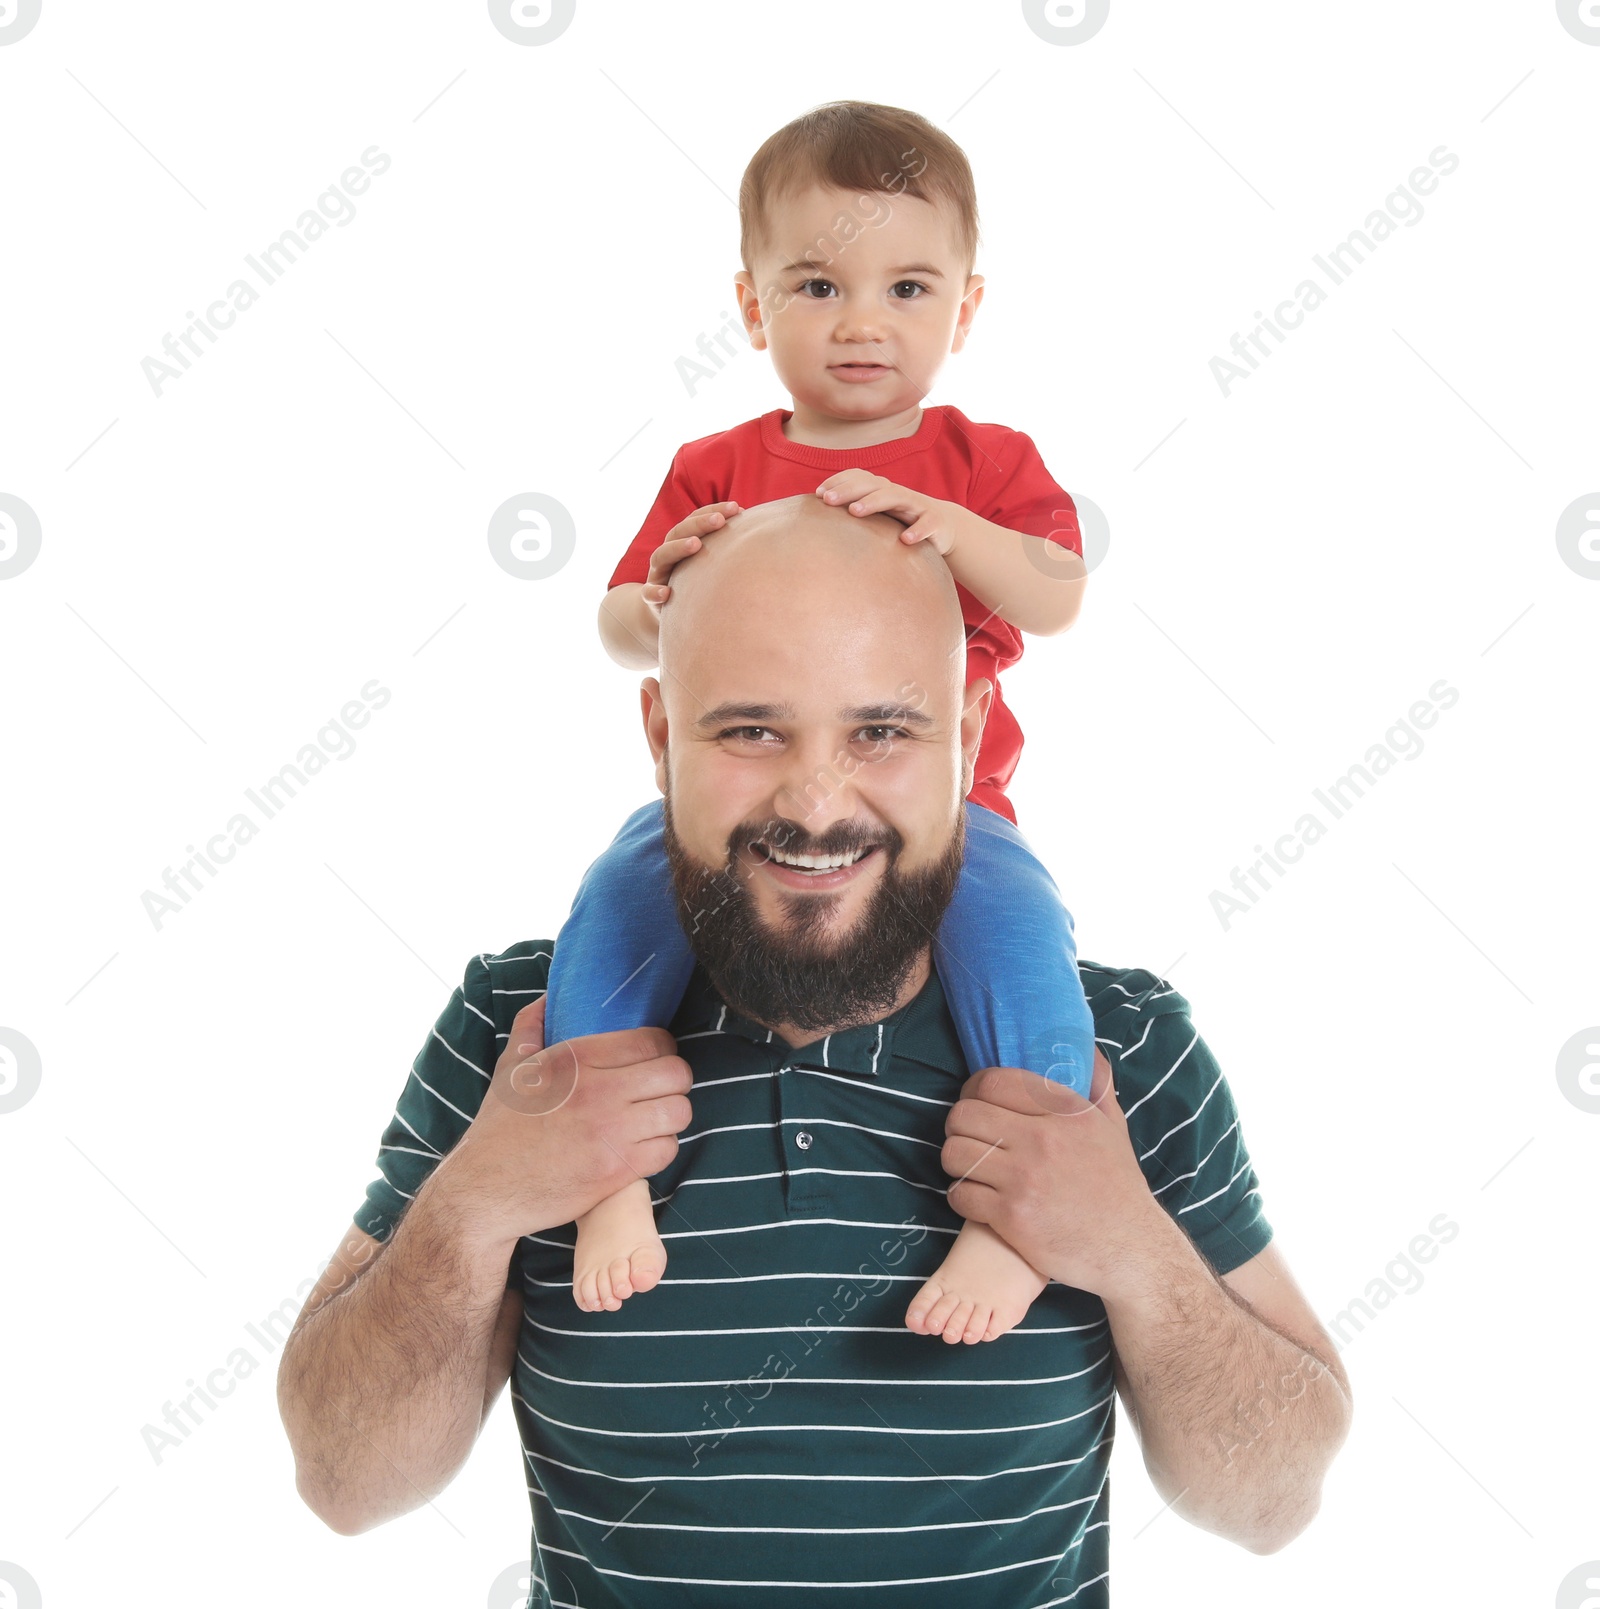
[859, 233]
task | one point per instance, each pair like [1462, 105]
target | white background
[1291, 567]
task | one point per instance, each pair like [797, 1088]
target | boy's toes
[646, 1266]
[979, 1325]
[921, 1305]
[617, 1275]
[940, 1313]
[955, 1325]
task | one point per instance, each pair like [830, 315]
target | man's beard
[794, 974]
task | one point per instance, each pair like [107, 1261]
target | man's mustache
[843, 838]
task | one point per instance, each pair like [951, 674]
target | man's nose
[816, 790]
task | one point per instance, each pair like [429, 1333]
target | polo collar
[920, 1031]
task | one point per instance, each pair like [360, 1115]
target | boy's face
[859, 298]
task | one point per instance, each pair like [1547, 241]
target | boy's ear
[972, 296]
[979, 696]
[744, 287]
[654, 709]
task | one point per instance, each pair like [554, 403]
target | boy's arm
[630, 612]
[1032, 582]
[629, 628]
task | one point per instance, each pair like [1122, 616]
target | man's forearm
[1237, 1423]
[381, 1388]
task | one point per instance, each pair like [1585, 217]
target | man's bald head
[798, 566]
[814, 735]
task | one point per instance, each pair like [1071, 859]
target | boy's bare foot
[618, 1251]
[981, 1290]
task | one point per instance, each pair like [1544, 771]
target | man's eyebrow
[888, 714]
[733, 714]
[729, 714]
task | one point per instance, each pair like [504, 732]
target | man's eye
[806, 285]
[749, 734]
[877, 736]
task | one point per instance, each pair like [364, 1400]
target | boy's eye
[807, 284]
[913, 285]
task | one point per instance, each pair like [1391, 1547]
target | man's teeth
[815, 863]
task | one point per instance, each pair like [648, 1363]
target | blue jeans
[1004, 952]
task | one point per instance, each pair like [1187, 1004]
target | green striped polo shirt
[761, 1428]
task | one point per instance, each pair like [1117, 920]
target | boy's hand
[679, 543]
[926, 519]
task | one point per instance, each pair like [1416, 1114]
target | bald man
[764, 1428]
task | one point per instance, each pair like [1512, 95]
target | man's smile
[811, 872]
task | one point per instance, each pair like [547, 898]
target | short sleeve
[442, 1094]
[680, 495]
[1185, 1129]
[1014, 489]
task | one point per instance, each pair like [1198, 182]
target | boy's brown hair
[864, 148]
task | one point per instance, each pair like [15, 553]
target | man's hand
[926, 519]
[1054, 1175]
[562, 1129]
[681, 542]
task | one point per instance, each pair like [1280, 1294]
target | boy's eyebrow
[865, 714]
[821, 268]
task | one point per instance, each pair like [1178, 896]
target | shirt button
[803, 1140]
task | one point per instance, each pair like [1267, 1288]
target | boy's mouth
[859, 371]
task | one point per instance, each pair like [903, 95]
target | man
[761, 1427]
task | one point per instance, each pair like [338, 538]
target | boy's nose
[859, 325]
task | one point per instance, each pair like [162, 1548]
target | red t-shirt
[993, 471]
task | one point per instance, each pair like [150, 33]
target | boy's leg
[620, 961]
[1009, 965]
[1008, 961]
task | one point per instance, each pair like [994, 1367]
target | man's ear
[979, 696]
[750, 318]
[969, 307]
[654, 709]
